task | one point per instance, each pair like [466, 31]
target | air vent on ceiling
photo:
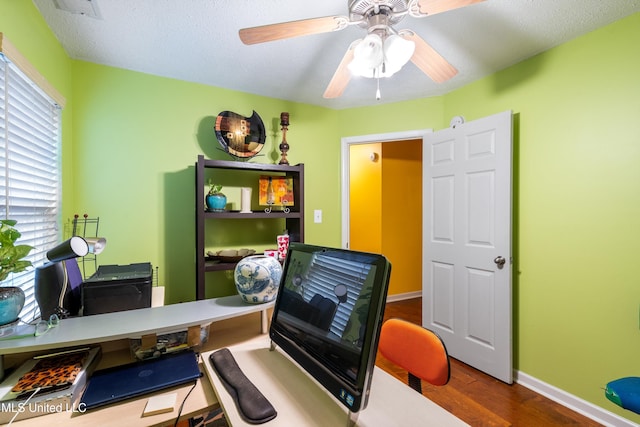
[79, 7]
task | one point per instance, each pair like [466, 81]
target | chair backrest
[416, 349]
[324, 310]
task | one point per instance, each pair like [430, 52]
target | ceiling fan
[383, 51]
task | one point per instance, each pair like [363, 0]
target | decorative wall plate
[240, 136]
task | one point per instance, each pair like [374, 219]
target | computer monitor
[328, 314]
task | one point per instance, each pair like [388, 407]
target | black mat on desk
[123, 382]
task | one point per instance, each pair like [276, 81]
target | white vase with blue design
[257, 278]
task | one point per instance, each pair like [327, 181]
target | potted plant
[11, 261]
[215, 200]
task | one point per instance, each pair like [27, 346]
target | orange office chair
[416, 349]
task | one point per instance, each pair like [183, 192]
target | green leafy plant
[11, 255]
[214, 188]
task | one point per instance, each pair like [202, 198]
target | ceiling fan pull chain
[378, 90]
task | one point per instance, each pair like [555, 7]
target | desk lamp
[341, 293]
[340, 290]
[57, 283]
[96, 244]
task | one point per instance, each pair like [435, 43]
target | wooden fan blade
[286, 30]
[431, 7]
[428, 60]
[341, 77]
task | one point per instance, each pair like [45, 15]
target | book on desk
[37, 387]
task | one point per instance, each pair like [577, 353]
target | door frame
[345, 143]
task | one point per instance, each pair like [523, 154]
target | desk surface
[387, 404]
[300, 400]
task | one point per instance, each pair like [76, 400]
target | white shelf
[134, 323]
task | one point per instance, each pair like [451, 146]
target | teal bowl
[11, 303]
[216, 202]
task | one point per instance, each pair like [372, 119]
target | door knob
[499, 262]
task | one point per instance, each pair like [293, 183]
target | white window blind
[324, 273]
[29, 170]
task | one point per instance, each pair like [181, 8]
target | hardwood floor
[479, 399]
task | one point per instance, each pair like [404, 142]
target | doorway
[383, 208]
[467, 191]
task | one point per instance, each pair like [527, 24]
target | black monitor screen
[328, 314]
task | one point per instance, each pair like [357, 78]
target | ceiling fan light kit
[397, 52]
[367, 56]
[373, 57]
[383, 51]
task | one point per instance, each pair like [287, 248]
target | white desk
[300, 400]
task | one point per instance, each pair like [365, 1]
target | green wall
[576, 201]
[137, 139]
[130, 142]
[576, 284]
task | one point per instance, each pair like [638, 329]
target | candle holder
[284, 145]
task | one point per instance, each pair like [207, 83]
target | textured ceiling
[197, 41]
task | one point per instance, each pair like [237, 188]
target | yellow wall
[402, 214]
[365, 198]
[386, 207]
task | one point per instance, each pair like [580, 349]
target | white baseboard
[572, 402]
[401, 297]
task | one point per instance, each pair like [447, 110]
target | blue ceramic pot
[216, 202]
[11, 303]
[257, 278]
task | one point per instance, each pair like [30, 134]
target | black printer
[117, 288]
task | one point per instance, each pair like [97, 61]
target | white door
[466, 287]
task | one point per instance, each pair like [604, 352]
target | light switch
[317, 216]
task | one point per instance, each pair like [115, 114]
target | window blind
[29, 170]
[324, 273]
